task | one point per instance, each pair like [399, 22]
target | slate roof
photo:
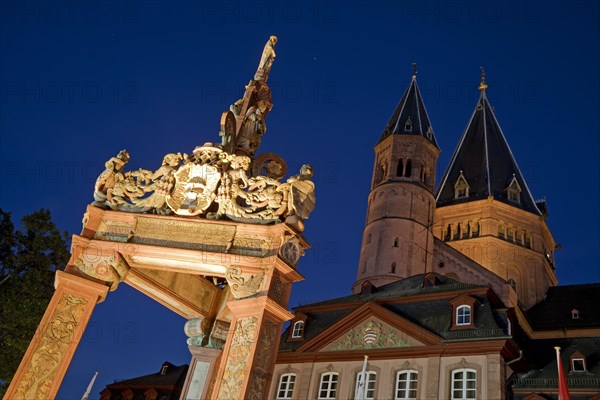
[486, 162]
[544, 374]
[554, 312]
[432, 315]
[411, 107]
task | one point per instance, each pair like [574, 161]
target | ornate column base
[202, 367]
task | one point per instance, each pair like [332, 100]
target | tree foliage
[28, 260]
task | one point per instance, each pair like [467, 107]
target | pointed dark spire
[484, 160]
[410, 117]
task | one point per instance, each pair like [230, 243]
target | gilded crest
[194, 189]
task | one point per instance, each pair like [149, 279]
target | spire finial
[483, 85]
[414, 65]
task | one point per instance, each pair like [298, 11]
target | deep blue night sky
[81, 81]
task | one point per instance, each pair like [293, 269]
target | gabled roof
[423, 307]
[486, 162]
[410, 110]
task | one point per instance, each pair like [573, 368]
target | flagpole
[89, 388]
[563, 389]
[361, 387]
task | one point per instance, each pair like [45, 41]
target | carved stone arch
[515, 271]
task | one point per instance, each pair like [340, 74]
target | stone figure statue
[266, 60]
[109, 178]
[253, 127]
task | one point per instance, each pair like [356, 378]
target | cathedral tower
[397, 238]
[486, 211]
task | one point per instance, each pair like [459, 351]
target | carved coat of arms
[194, 189]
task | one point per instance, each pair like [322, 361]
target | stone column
[50, 352]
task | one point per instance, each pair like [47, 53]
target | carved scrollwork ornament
[243, 284]
[110, 269]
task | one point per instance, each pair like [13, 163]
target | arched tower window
[396, 242]
[408, 169]
[400, 170]
[393, 268]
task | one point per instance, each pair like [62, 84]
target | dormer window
[462, 312]
[578, 363]
[429, 133]
[408, 125]
[461, 187]
[513, 191]
[574, 313]
[298, 329]
[463, 315]
[163, 370]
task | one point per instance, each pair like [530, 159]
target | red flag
[563, 390]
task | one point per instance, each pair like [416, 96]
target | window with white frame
[328, 386]
[464, 384]
[371, 378]
[406, 385]
[463, 315]
[286, 386]
[298, 329]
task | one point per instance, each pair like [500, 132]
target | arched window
[396, 242]
[285, 389]
[463, 315]
[298, 329]
[393, 268]
[370, 380]
[408, 170]
[406, 385]
[464, 384]
[400, 169]
[328, 386]
[574, 313]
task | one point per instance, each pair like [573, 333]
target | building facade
[456, 295]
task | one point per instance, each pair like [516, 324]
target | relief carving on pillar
[243, 284]
[57, 335]
[235, 369]
[262, 363]
[110, 268]
[278, 290]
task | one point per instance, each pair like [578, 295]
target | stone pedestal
[46, 361]
[202, 367]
